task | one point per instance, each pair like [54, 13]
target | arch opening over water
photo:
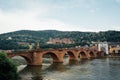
[91, 54]
[83, 55]
[21, 60]
[69, 57]
[71, 54]
[49, 58]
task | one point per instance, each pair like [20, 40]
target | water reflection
[31, 73]
[73, 62]
[92, 69]
[57, 67]
[37, 72]
[83, 61]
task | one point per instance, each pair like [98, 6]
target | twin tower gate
[34, 57]
[103, 46]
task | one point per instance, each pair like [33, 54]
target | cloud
[23, 18]
[12, 21]
[40, 15]
[31, 15]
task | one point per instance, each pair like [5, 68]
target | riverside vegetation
[8, 70]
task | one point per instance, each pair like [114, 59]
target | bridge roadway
[34, 57]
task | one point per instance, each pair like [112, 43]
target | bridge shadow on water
[83, 61]
[56, 67]
[61, 67]
[39, 72]
[72, 63]
[31, 73]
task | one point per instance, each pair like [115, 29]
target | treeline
[10, 40]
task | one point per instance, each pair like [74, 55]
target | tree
[8, 70]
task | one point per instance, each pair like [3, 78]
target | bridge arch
[91, 53]
[27, 59]
[53, 55]
[83, 55]
[71, 54]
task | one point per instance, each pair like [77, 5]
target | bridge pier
[36, 59]
[73, 58]
[95, 53]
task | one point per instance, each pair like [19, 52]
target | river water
[95, 69]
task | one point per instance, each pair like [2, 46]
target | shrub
[8, 70]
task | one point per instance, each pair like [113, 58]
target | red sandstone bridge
[34, 57]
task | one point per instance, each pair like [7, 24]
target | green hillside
[11, 40]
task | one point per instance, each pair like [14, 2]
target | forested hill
[11, 40]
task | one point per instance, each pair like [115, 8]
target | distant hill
[21, 39]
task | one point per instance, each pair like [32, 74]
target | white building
[103, 46]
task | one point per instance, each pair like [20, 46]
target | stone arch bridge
[34, 57]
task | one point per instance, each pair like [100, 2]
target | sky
[63, 15]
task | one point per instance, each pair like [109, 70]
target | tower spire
[38, 45]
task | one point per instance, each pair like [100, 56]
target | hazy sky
[65, 15]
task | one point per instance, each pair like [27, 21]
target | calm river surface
[96, 69]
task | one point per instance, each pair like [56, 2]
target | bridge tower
[103, 46]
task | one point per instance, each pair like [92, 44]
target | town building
[60, 41]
